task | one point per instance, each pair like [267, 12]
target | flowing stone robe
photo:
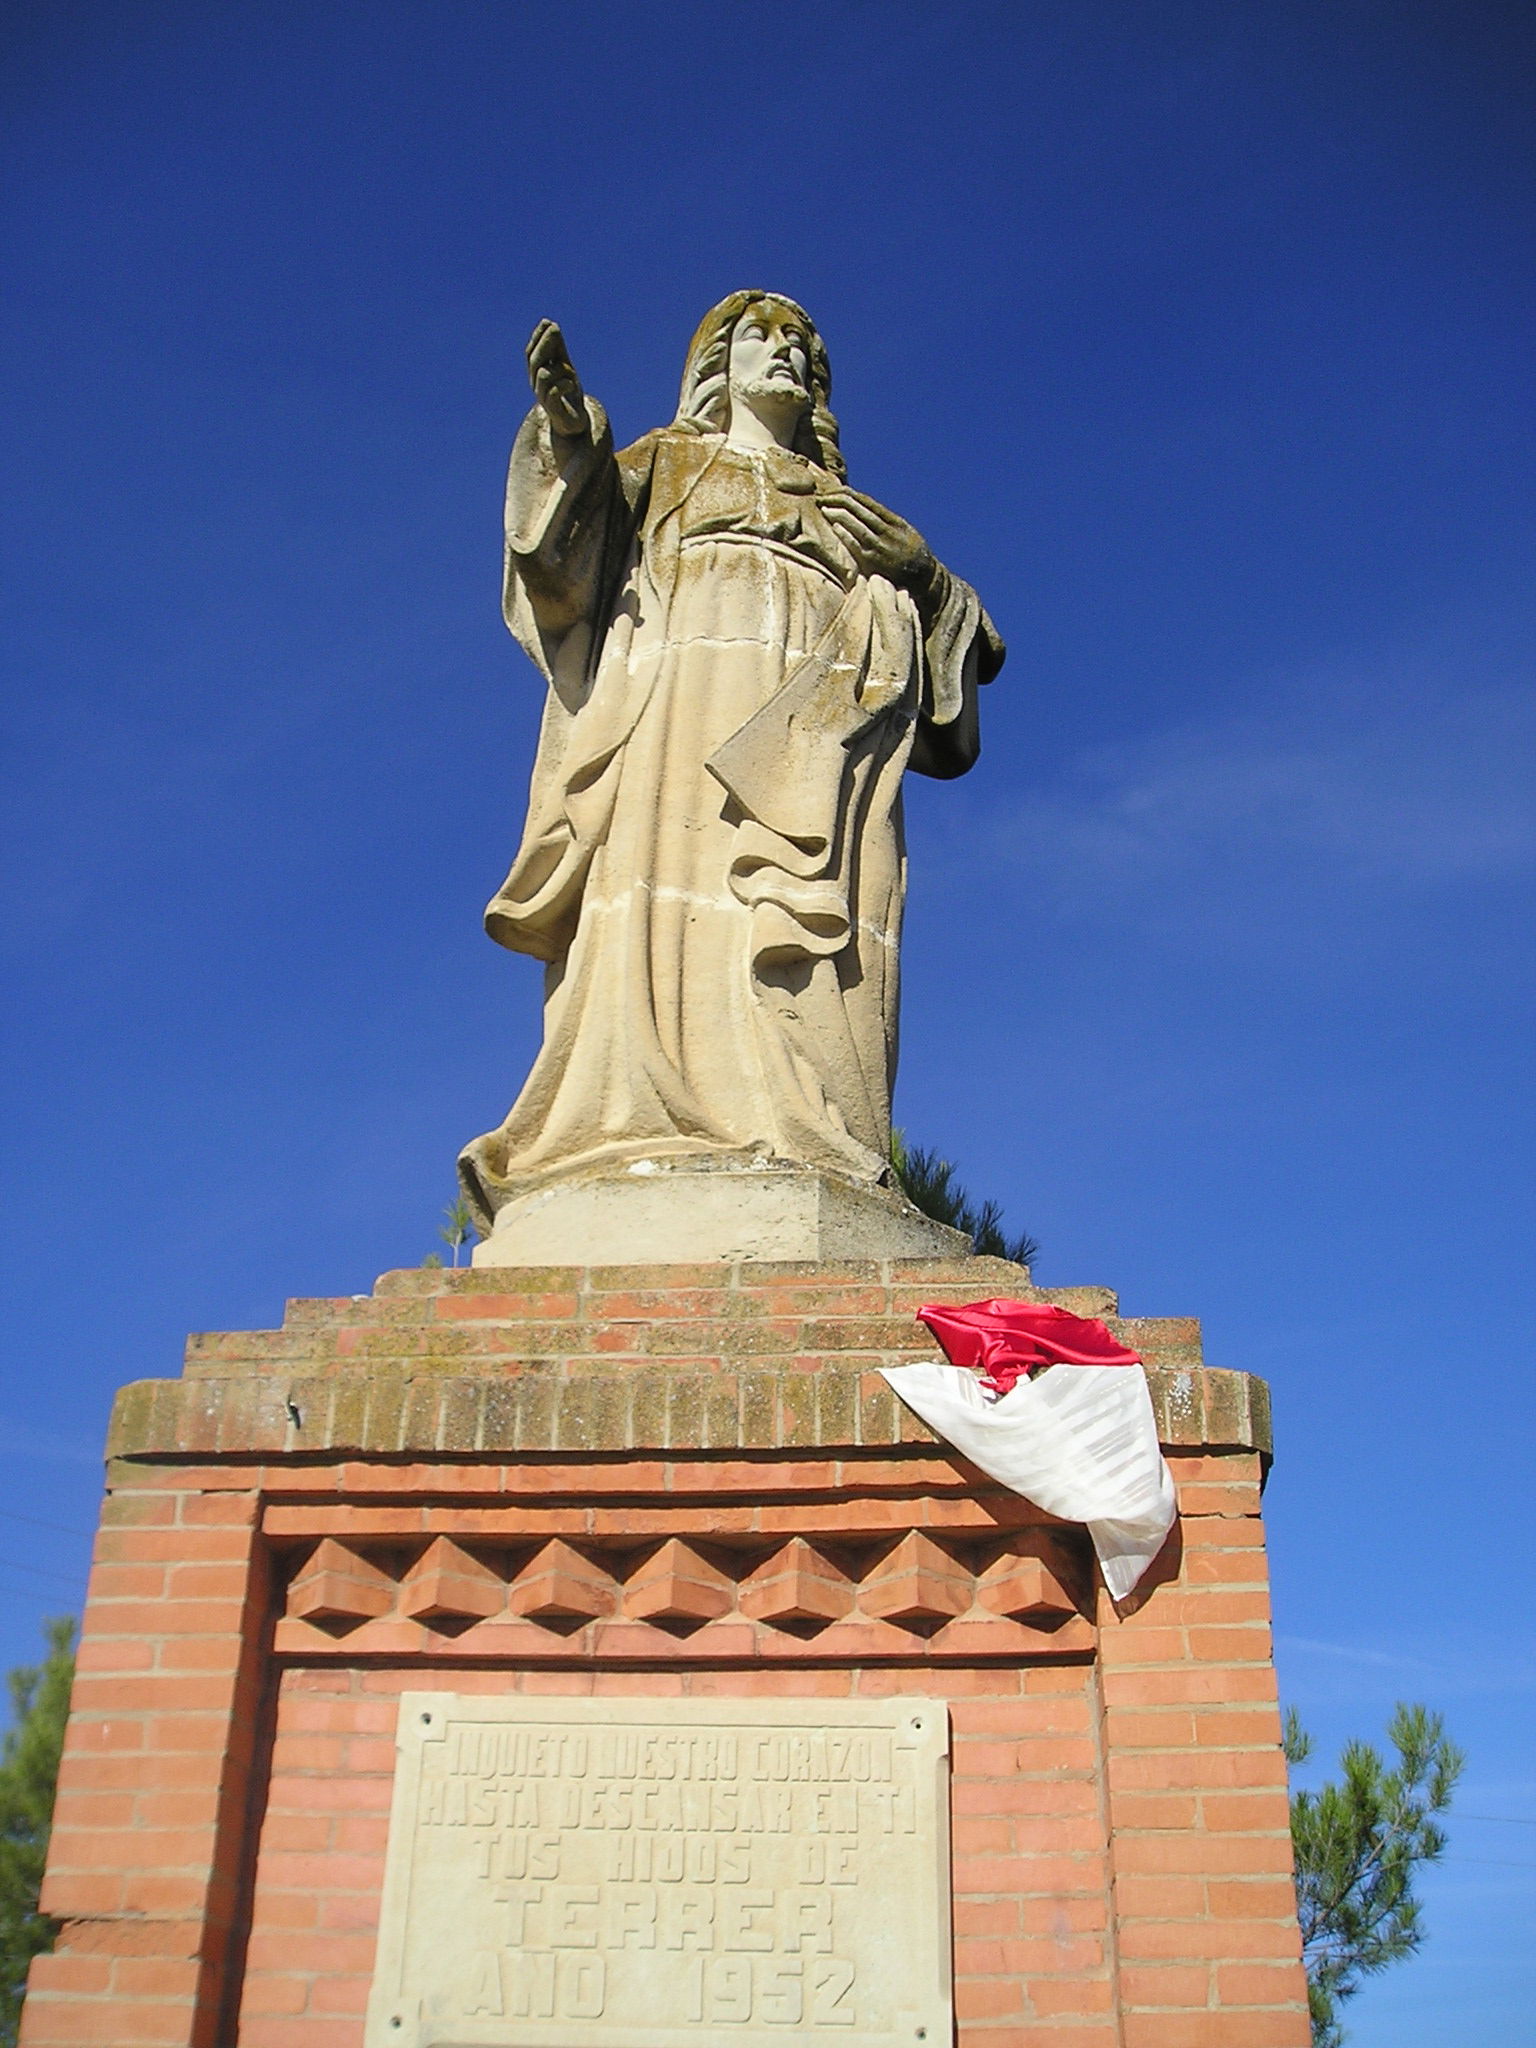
[713, 865]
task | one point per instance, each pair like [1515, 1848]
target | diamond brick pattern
[797, 1587]
[1024, 1587]
[803, 1586]
[918, 1584]
[562, 1587]
[338, 1588]
[448, 1585]
[677, 1587]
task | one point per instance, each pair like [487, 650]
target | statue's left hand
[882, 543]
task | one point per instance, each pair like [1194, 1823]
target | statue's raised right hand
[555, 383]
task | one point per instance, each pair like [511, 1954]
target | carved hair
[704, 405]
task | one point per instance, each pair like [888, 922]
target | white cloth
[1079, 1441]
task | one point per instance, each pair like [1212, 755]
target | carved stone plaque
[666, 1874]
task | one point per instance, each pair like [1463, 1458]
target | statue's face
[770, 358]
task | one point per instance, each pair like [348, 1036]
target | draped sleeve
[570, 521]
[572, 517]
[962, 649]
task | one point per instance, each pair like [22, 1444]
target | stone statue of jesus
[743, 656]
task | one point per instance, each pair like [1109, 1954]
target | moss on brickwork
[624, 1358]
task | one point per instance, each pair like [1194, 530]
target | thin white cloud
[1352, 1653]
[1364, 795]
[1454, 1671]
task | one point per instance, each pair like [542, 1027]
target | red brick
[979, 1998]
[981, 1837]
[279, 1912]
[264, 1993]
[1201, 1499]
[1180, 1985]
[155, 1977]
[1218, 1607]
[1217, 2030]
[296, 1831]
[208, 1581]
[1018, 1795]
[1135, 1810]
[1207, 1565]
[109, 1582]
[1149, 1728]
[1190, 1683]
[308, 1752]
[513, 1308]
[1256, 1726]
[177, 1734]
[343, 1995]
[351, 1911]
[1255, 1983]
[1091, 2034]
[134, 1510]
[1167, 1770]
[87, 1975]
[317, 1954]
[222, 1654]
[1157, 1896]
[1244, 1812]
[1027, 1873]
[81, 1894]
[310, 2031]
[1187, 1692]
[1065, 1916]
[1236, 1645]
[1212, 1532]
[987, 1917]
[173, 1545]
[1141, 1643]
[1036, 1719]
[101, 1655]
[1052, 1997]
[79, 1811]
[1202, 1855]
[1213, 1940]
[1256, 1897]
[181, 1693]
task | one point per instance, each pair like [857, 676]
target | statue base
[675, 1513]
[656, 1213]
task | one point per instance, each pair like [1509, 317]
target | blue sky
[1196, 336]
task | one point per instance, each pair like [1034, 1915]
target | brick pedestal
[676, 1481]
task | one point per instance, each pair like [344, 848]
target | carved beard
[775, 388]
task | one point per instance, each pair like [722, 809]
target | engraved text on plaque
[665, 1874]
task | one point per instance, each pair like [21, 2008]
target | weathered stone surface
[743, 658]
[643, 1408]
[766, 1213]
[728, 1871]
[686, 1358]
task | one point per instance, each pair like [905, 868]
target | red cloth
[1004, 1339]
